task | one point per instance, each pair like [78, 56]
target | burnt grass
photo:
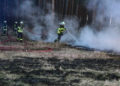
[27, 71]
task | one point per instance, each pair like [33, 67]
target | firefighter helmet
[62, 23]
[21, 22]
[5, 21]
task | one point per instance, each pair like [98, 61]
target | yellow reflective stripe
[58, 31]
[61, 30]
[19, 39]
[20, 29]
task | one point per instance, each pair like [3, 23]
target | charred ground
[26, 71]
[63, 65]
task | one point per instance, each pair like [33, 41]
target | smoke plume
[41, 25]
[108, 20]
[102, 34]
[38, 22]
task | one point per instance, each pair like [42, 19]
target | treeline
[62, 8]
[69, 8]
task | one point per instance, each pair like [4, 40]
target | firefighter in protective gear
[15, 27]
[5, 28]
[60, 31]
[20, 32]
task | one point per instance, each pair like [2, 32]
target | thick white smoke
[103, 34]
[39, 22]
[45, 23]
[108, 19]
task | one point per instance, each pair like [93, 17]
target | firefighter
[5, 28]
[15, 27]
[20, 31]
[60, 31]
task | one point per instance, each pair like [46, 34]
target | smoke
[41, 25]
[108, 21]
[103, 34]
[38, 23]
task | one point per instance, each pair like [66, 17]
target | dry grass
[64, 65]
[60, 51]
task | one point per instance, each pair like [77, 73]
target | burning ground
[62, 65]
